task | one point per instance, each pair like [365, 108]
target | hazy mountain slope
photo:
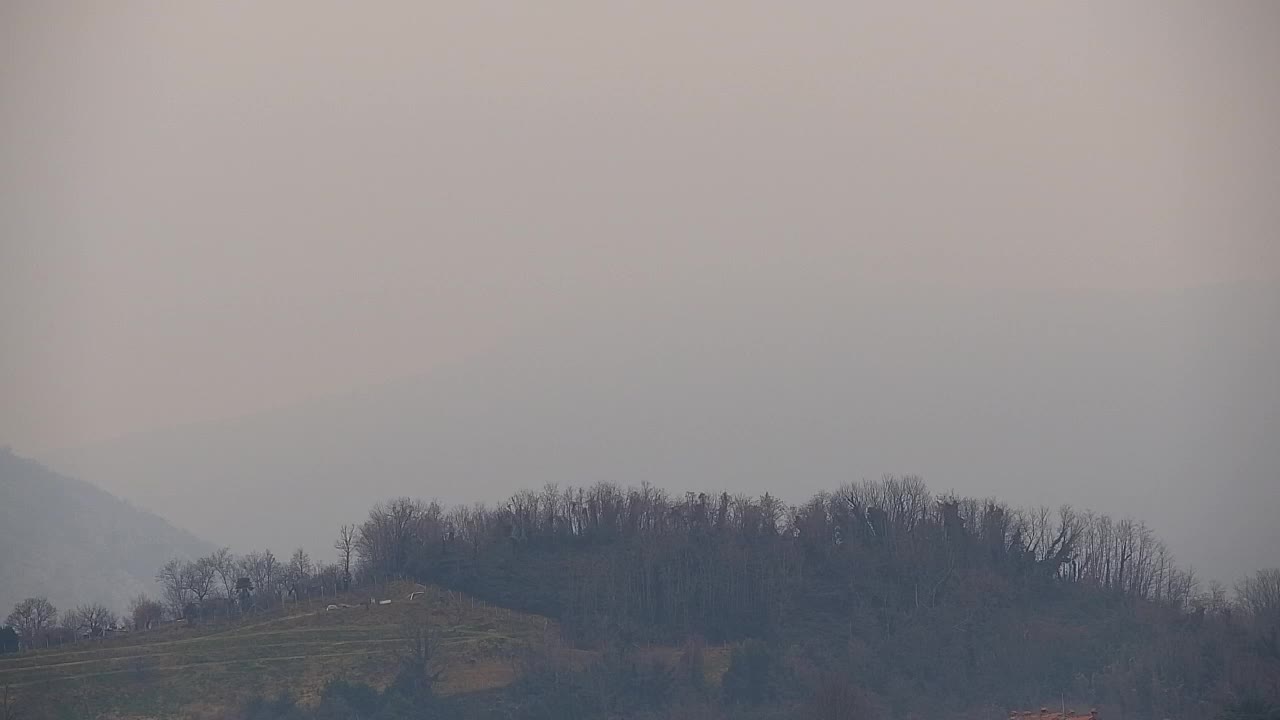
[70, 541]
[1157, 405]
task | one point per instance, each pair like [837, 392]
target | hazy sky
[208, 209]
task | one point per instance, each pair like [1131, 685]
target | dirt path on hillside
[477, 636]
[124, 649]
[206, 663]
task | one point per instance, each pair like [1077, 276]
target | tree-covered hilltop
[919, 601]
[880, 598]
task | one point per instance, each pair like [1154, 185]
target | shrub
[752, 675]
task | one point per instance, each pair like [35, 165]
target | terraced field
[200, 672]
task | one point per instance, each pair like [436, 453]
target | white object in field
[414, 595]
[384, 602]
[332, 607]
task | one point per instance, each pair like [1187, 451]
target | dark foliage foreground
[919, 601]
[878, 600]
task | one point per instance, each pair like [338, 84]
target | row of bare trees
[888, 567]
[221, 584]
[38, 622]
[927, 538]
[226, 584]
[899, 514]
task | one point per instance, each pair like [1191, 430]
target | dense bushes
[343, 700]
[754, 675]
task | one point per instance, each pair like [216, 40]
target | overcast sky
[208, 209]
[1025, 249]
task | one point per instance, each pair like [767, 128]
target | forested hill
[72, 542]
[881, 591]
[874, 601]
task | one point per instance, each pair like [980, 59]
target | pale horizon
[1025, 250]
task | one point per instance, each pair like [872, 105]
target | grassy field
[205, 671]
[194, 672]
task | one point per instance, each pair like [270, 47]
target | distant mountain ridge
[75, 543]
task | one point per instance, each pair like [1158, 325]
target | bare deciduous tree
[328, 578]
[146, 613]
[422, 664]
[300, 567]
[200, 577]
[346, 546]
[263, 570]
[224, 565]
[1259, 595]
[387, 539]
[94, 619]
[298, 572]
[173, 582]
[31, 617]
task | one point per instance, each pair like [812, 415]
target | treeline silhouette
[659, 568]
[918, 600]
[880, 599]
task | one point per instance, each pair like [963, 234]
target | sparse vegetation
[291, 652]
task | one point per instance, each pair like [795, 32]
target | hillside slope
[212, 671]
[75, 543]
